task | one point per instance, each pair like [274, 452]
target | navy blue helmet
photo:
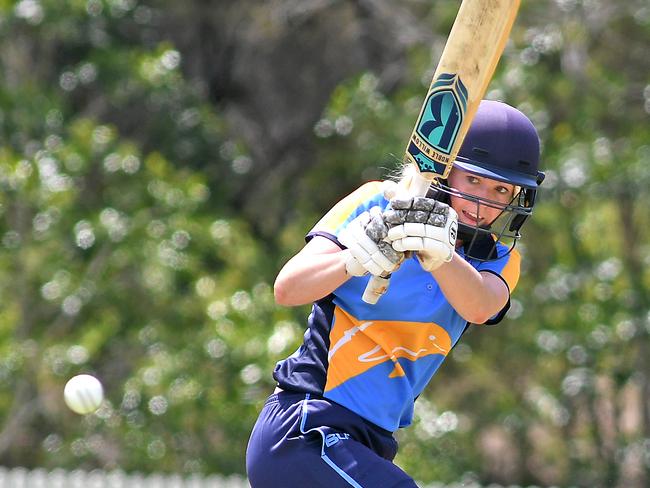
[501, 144]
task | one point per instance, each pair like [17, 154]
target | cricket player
[354, 381]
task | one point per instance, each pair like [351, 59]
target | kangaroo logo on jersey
[358, 346]
[439, 123]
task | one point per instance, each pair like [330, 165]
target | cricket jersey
[376, 359]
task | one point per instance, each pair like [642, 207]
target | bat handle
[376, 287]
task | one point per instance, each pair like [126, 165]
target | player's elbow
[478, 315]
[280, 293]
[476, 318]
[283, 293]
[488, 305]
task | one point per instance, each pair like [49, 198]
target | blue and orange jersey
[377, 359]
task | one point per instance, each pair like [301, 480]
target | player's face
[471, 213]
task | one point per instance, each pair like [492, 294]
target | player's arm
[313, 273]
[429, 228]
[323, 264]
[474, 295]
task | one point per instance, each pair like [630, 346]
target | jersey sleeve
[507, 268]
[363, 198]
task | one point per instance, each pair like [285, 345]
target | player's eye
[473, 179]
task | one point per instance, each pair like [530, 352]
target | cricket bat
[466, 66]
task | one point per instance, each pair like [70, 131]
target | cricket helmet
[501, 144]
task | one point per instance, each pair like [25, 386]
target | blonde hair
[406, 173]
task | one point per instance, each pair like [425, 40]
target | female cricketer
[354, 380]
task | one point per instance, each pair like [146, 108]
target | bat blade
[466, 66]
[474, 46]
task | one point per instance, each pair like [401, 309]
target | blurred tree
[117, 261]
[110, 264]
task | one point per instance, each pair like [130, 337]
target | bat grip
[376, 287]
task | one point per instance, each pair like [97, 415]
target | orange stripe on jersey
[340, 212]
[511, 270]
[356, 346]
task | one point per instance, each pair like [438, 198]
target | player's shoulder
[514, 255]
[370, 188]
[508, 267]
[508, 258]
[367, 195]
[506, 251]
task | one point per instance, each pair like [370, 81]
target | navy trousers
[305, 441]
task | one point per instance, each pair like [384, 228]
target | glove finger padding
[434, 254]
[425, 226]
[409, 243]
[376, 228]
[364, 239]
[408, 229]
[364, 249]
[352, 265]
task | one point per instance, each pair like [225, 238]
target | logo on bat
[440, 121]
[424, 163]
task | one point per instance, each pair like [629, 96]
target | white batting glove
[367, 251]
[425, 226]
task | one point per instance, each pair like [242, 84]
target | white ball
[83, 394]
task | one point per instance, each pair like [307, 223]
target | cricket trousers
[302, 441]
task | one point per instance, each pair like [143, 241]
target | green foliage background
[132, 246]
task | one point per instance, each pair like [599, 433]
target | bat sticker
[439, 123]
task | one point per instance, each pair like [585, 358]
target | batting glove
[368, 252]
[425, 226]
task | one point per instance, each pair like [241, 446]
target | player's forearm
[475, 296]
[309, 277]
